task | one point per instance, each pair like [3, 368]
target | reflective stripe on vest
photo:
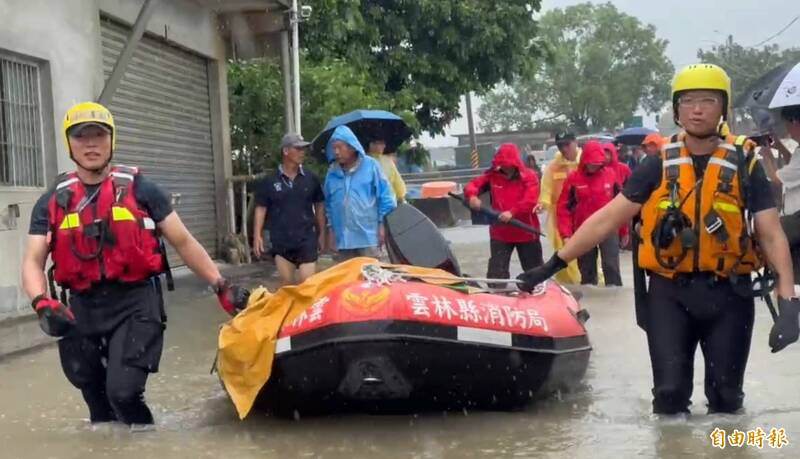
[677, 162]
[122, 175]
[70, 221]
[121, 214]
[723, 163]
[726, 207]
[66, 183]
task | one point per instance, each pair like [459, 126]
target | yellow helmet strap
[95, 170]
[99, 169]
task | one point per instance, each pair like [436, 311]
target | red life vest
[106, 237]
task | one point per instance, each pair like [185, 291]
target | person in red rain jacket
[623, 174]
[586, 191]
[514, 190]
[613, 162]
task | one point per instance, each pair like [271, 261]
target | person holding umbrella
[698, 201]
[787, 101]
[377, 150]
[357, 198]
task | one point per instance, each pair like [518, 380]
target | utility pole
[295, 22]
[288, 91]
[474, 157]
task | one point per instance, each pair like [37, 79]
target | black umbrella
[367, 125]
[633, 136]
[761, 92]
[777, 88]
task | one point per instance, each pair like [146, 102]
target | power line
[777, 34]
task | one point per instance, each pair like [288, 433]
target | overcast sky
[689, 25]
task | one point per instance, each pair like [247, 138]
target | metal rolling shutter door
[162, 113]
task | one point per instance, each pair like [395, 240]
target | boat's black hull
[397, 366]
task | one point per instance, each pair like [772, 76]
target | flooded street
[42, 416]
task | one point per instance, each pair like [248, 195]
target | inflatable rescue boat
[417, 346]
[388, 341]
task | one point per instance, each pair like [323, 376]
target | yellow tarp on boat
[246, 346]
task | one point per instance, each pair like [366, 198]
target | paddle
[495, 216]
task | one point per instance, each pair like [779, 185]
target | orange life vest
[691, 225]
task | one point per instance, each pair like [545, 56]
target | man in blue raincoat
[357, 197]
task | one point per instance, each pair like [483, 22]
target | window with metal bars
[21, 143]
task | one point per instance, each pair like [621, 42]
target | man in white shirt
[789, 176]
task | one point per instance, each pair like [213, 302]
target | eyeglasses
[90, 133]
[704, 103]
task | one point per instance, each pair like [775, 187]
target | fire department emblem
[365, 298]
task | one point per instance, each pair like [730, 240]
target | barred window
[21, 143]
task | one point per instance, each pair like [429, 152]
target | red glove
[232, 298]
[55, 318]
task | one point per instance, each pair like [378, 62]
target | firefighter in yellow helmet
[694, 201]
[101, 225]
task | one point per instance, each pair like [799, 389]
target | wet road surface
[42, 416]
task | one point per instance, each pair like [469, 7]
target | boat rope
[374, 273]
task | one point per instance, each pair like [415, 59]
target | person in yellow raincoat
[376, 150]
[565, 161]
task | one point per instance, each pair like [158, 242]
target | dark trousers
[682, 313]
[791, 226]
[609, 260]
[529, 253]
[116, 344]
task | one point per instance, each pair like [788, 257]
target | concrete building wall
[182, 22]
[64, 37]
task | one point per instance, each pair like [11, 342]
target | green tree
[256, 111]
[602, 65]
[426, 52]
[746, 64]
[329, 88]
[334, 87]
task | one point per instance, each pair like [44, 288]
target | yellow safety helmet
[701, 76]
[88, 112]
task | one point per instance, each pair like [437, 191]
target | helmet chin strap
[97, 170]
[703, 136]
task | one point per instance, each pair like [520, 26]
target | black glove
[55, 318]
[232, 298]
[786, 328]
[533, 277]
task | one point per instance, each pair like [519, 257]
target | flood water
[42, 416]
